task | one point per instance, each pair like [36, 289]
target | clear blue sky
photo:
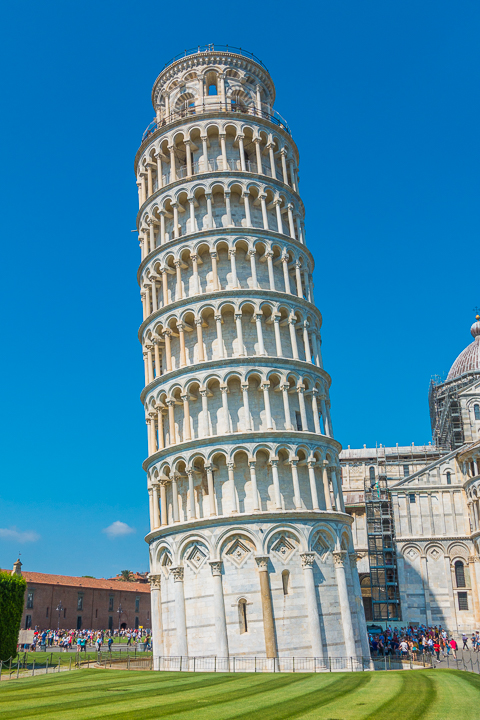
[382, 98]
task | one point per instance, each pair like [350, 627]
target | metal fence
[262, 664]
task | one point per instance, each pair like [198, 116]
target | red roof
[100, 583]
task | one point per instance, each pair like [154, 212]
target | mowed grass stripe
[414, 697]
[363, 702]
[73, 682]
[103, 693]
[297, 707]
[155, 707]
[458, 696]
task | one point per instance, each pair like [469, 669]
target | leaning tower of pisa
[251, 551]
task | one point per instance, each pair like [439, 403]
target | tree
[126, 575]
[12, 594]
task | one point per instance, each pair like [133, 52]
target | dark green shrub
[12, 593]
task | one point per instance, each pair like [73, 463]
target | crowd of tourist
[419, 640]
[80, 640]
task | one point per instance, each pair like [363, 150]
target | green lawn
[122, 695]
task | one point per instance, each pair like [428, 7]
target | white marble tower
[250, 548]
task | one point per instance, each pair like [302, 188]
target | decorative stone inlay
[238, 552]
[165, 564]
[195, 558]
[434, 553]
[321, 547]
[283, 549]
[411, 553]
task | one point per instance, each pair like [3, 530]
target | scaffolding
[446, 412]
[381, 550]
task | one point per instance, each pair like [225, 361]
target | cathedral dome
[469, 359]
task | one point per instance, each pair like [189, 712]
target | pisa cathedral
[266, 540]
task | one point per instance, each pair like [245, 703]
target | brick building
[79, 602]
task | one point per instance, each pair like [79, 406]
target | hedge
[12, 593]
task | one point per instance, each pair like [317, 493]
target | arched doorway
[367, 597]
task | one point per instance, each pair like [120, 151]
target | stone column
[326, 486]
[296, 487]
[180, 616]
[353, 557]
[219, 609]
[231, 255]
[209, 211]
[179, 288]
[337, 489]
[283, 155]
[191, 494]
[159, 171]
[266, 401]
[253, 479]
[271, 276]
[218, 320]
[163, 503]
[258, 152]
[205, 153]
[183, 355]
[231, 479]
[200, 352]
[157, 625]
[313, 484]
[306, 343]
[241, 152]
[156, 508]
[211, 489]
[216, 285]
[150, 363]
[168, 348]
[291, 225]
[264, 211]
[276, 483]
[150, 508]
[267, 607]
[278, 338]
[187, 433]
[279, 216]
[303, 410]
[196, 280]
[286, 276]
[164, 287]
[248, 219]
[453, 625]
[172, 435]
[191, 202]
[308, 561]
[205, 423]
[162, 227]
[224, 391]
[272, 160]
[224, 151]
[173, 173]
[258, 321]
[187, 144]
[286, 407]
[176, 515]
[156, 349]
[316, 419]
[246, 406]
[339, 559]
[253, 266]
[238, 325]
[292, 321]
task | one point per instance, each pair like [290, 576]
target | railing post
[215, 664]
[330, 663]
[293, 664]
[33, 669]
[181, 658]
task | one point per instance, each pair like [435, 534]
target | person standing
[454, 646]
[465, 641]
[436, 648]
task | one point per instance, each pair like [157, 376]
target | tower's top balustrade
[213, 79]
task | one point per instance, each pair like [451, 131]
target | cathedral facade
[416, 511]
[251, 550]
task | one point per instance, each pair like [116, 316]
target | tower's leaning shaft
[250, 548]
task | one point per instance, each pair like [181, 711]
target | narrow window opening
[28, 622]
[110, 603]
[449, 478]
[412, 497]
[136, 623]
[64, 612]
[460, 574]
[137, 604]
[462, 601]
[476, 410]
[242, 616]
[30, 599]
[286, 582]
[406, 470]
[47, 611]
[96, 613]
[212, 90]
[110, 622]
[79, 622]
[298, 420]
